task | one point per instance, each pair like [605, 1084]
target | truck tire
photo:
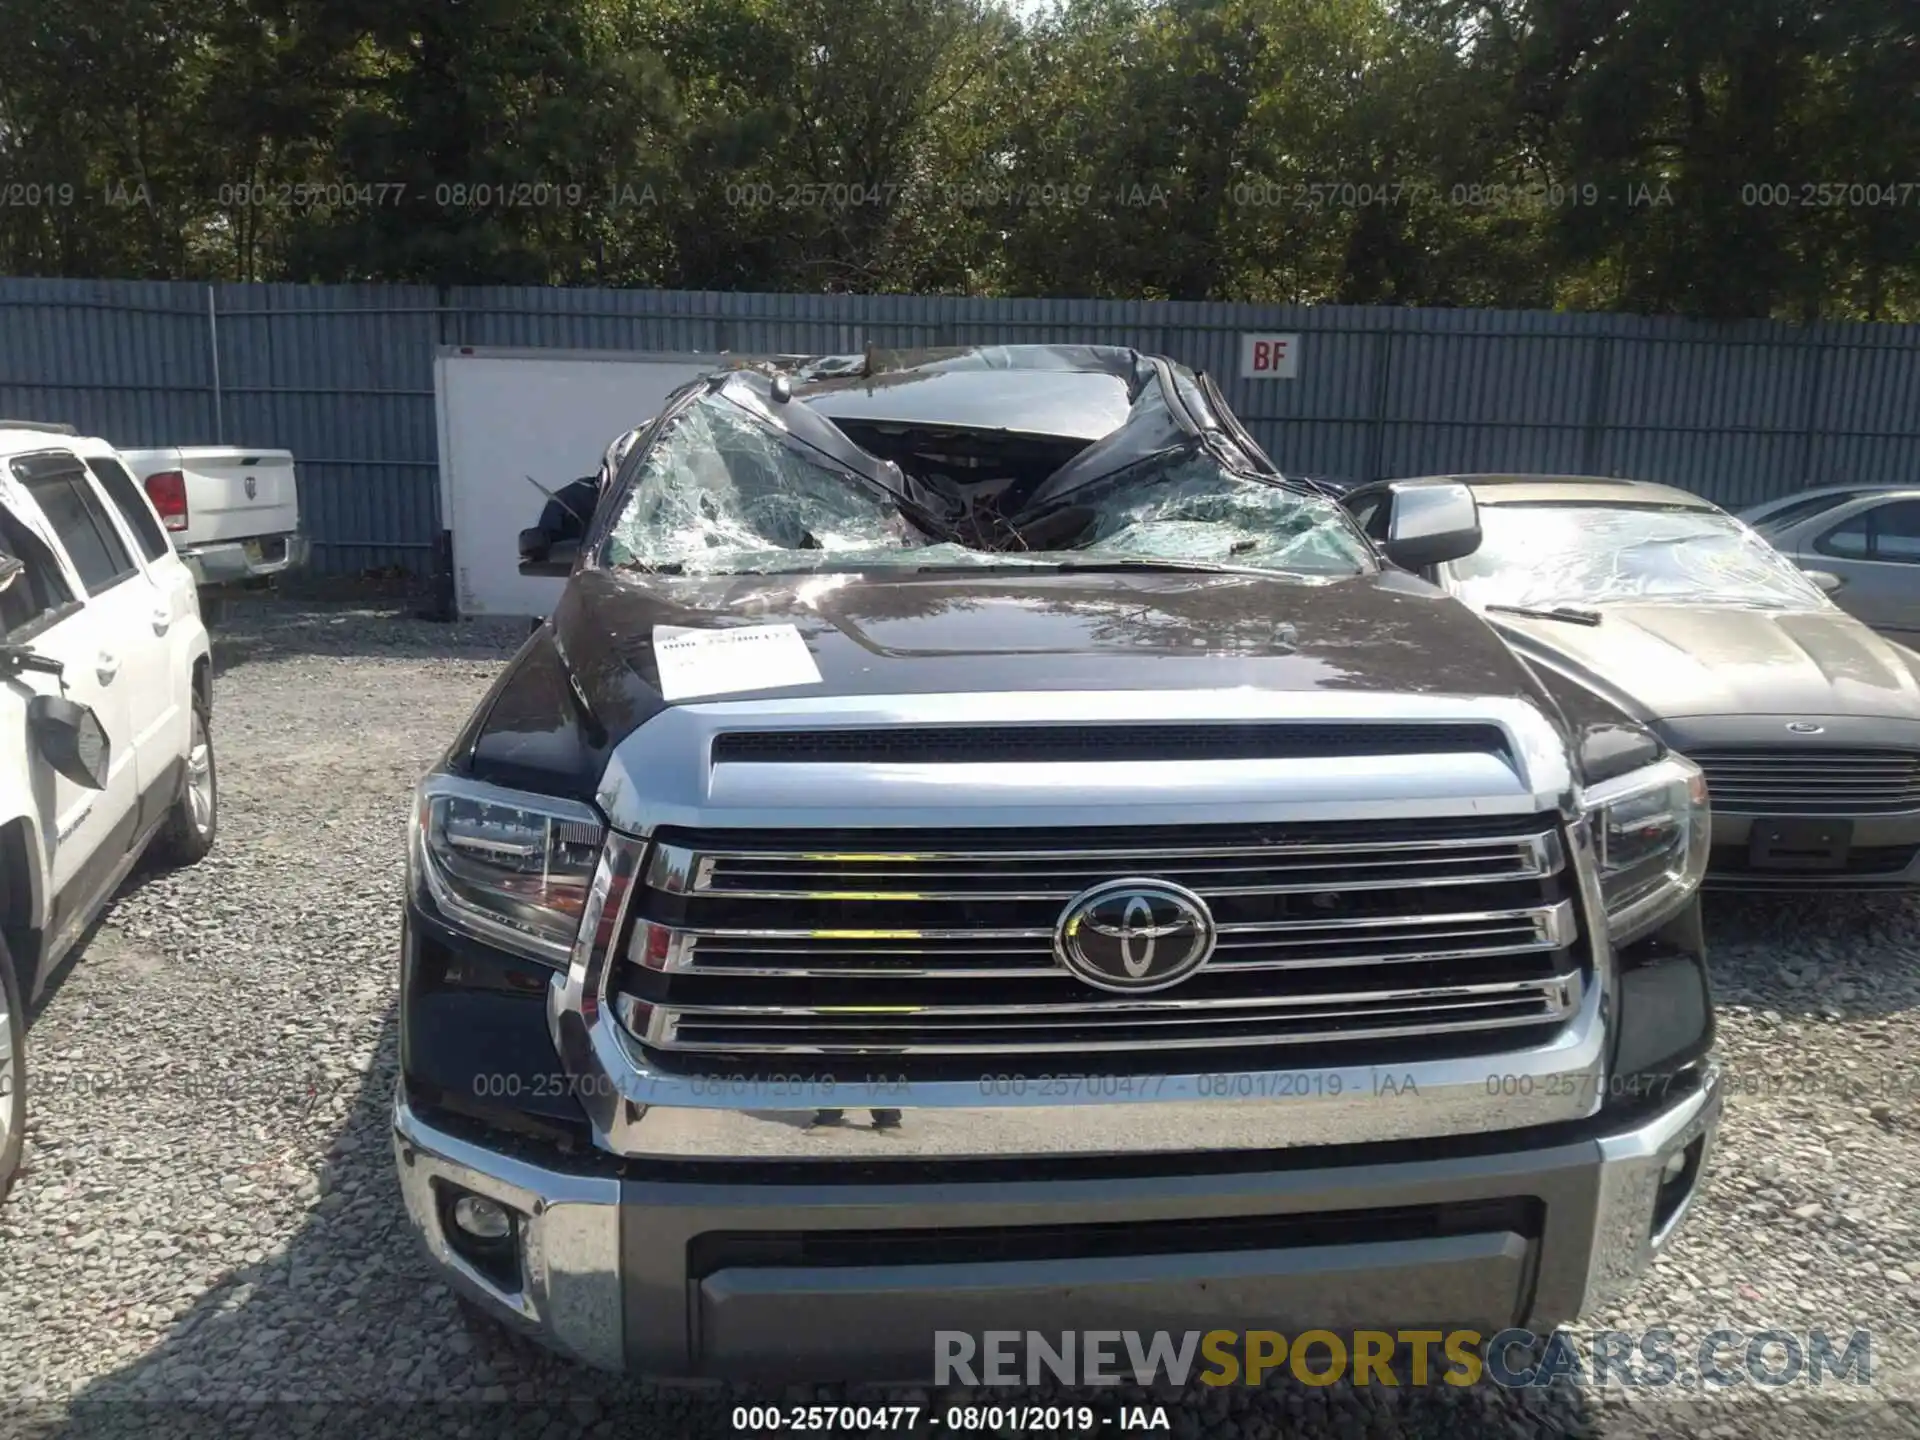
[188, 831]
[13, 1072]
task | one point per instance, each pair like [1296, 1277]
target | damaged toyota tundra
[975, 847]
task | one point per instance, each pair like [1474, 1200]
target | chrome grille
[1784, 780]
[911, 945]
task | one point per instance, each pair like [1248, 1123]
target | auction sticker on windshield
[725, 662]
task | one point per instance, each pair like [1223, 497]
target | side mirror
[72, 738]
[1432, 524]
[1826, 580]
[11, 569]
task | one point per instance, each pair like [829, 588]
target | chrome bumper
[228, 561]
[624, 1273]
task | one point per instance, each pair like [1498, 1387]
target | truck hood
[589, 678]
[1028, 630]
[1680, 661]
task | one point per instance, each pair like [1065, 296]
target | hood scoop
[1040, 744]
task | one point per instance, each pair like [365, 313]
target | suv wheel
[13, 1072]
[187, 835]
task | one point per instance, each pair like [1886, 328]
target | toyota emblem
[1134, 935]
[252, 486]
[1806, 727]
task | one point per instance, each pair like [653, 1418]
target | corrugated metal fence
[342, 376]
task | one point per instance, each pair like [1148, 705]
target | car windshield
[724, 492]
[1536, 556]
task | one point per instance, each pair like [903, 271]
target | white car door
[160, 608]
[85, 833]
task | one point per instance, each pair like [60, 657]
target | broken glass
[1538, 556]
[738, 485]
[1190, 507]
[723, 493]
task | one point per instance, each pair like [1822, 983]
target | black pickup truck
[976, 847]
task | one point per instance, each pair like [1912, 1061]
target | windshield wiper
[1572, 614]
[1142, 562]
[1039, 561]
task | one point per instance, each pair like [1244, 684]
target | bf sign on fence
[1269, 357]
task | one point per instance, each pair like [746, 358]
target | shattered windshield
[724, 492]
[1189, 507]
[1542, 555]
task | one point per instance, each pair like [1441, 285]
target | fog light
[1677, 1177]
[482, 1218]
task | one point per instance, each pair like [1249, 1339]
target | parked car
[1869, 541]
[106, 702]
[964, 852]
[1805, 721]
[1802, 504]
[233, 513]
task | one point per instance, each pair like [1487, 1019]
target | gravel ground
[209, 1237]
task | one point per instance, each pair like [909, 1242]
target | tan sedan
[1806, 722]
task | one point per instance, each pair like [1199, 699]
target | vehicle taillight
[168, 491]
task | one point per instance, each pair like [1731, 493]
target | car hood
[1009, 630]
[1678, 661]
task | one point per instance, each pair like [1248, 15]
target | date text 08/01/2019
[959, 1419]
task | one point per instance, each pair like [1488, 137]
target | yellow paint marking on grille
[864, 935]
[864, 895]
[862, 857]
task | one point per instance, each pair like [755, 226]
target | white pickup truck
[232, 513]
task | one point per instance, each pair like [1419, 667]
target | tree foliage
[1760, 157]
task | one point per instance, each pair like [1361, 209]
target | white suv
[106, 689]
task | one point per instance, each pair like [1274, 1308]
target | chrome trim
[569, 1292]
[636, 1108]
[589, 1287]
[1554, 926]
[681, 869]
[1556, 994]
[640, 1110]
[1568, 982]
[663, 774]
[1625, 1239]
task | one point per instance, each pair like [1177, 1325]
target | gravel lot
[209, 1235]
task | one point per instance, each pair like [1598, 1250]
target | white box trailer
[508, 416]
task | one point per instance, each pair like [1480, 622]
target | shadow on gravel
[262, 627]
[144, 874]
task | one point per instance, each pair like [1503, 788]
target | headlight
[1650, 837]
[506, 866]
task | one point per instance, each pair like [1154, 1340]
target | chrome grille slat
[1414, 929]
[1212, 871]
[1791, 781]
[1107, 1010]
[961, 1031]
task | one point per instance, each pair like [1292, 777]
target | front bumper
[848, 1276]
[229, 561]
[1884, 854]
